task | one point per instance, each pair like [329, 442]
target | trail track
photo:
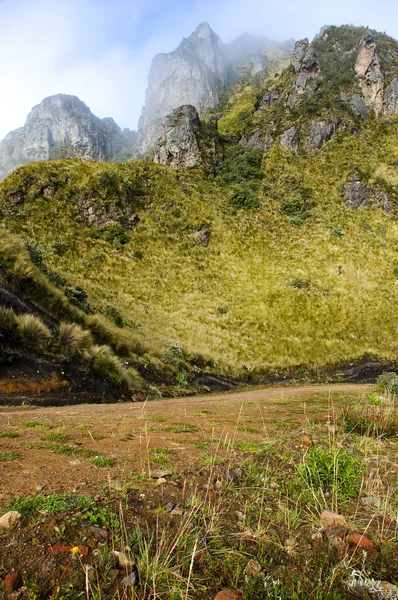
[132, 434]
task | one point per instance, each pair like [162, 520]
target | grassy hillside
[257, 268]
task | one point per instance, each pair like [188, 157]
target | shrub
[36, 253]
[388, 382]
[335, 471]
[32, 329]
[242, 197]
[115, 235]
[173, 353]
[241, 165]
[102, 461]
[301, 284]
[336, 232]
[76, 341]
[77, 296]
[182, 378]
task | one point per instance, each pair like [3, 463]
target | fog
[101, 50]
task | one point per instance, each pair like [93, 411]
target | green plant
[115, 234]
[79, 297]
[242, 197]
[9, 456]
[102, 461]
[173, 353]
[183, 378]
[9, 434]
[388, 382]
[336, 471]
[76, 341]
[376, 416]
[336, 232]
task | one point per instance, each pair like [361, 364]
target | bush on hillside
[9, 332]
[32, 329]
[77, 342]
[77, 296]
[241, 165]
[242, 197]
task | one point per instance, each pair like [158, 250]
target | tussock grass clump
[335, 471]
[76, 340]
[32, 329]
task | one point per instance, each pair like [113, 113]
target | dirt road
[49, 450]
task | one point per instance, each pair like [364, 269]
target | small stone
[274, 486]
[360, 541]
[113, 574]
[177, 511]
[253, 567]
[170, 506]
[317, 537]
[389, 587]
[39, 488]
[129, 580]
[240, 515]
[123, 560]
[10, 520]
[218, 484]
[161, 481]
[98, 533]
[12, 581]
[330, 519]
[90, 573]
[229, 595]
[158, 473]
[371, 501]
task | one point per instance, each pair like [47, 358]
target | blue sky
[101, 50]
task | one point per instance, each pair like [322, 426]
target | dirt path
[48, 450]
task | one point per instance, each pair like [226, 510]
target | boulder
[178, 147]
[254, 140]
[391, 98]
[290, 139]
[298, 54]
[268, 100]
[358, 105]
[332, 519]
[321, 132]
[356, 193]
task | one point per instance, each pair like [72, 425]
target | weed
[55, 437]
[9, 434]
[102, 461]
[10, 456]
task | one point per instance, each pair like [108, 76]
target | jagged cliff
[62, 126]
[196, 73]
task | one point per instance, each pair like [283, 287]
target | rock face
[290, 139]
[178, 147]
[195, 74]
[60, 126]
[356, 193]
[305, 63]
[391, 98]
[368, 70]
[321, 132]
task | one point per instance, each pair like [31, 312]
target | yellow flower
[75, 549]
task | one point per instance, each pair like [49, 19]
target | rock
[90, 573]
[317, 537]
[356, 194]
[391, 98]
[161, 481]
[129, 580]
[124, 561]
[321, 132]
[267, 101]
[203, 236]
[368, 70]
[12, 581]
[268, 142]
[252, 568]
[331, 519]
[178, 146]
[10, 520]
[360, 541]
[61, 126]
[358, 105]
[389, 587]
[254, 141]
[290, 139]
[298, 54]
[196, 73]
[99, 534]
[177, 511]
[370, 502]
[226, 594]
[158, 473]
[170, 506]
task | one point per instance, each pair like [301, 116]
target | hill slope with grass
[282, 259]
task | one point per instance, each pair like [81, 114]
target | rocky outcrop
[358, 105]
[369, 73]
[290, 139]
[358, 194]
[391, 98]
[195, 74]
[60, 126]
[178, 147]
[321, 132]
[267, 100]
[306, 64]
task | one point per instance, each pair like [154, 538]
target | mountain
[63, 126]
[198, 73]
[272, 255]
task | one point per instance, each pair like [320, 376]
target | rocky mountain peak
[196, 74]
[61, 126]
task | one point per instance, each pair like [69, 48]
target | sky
[101, 50]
